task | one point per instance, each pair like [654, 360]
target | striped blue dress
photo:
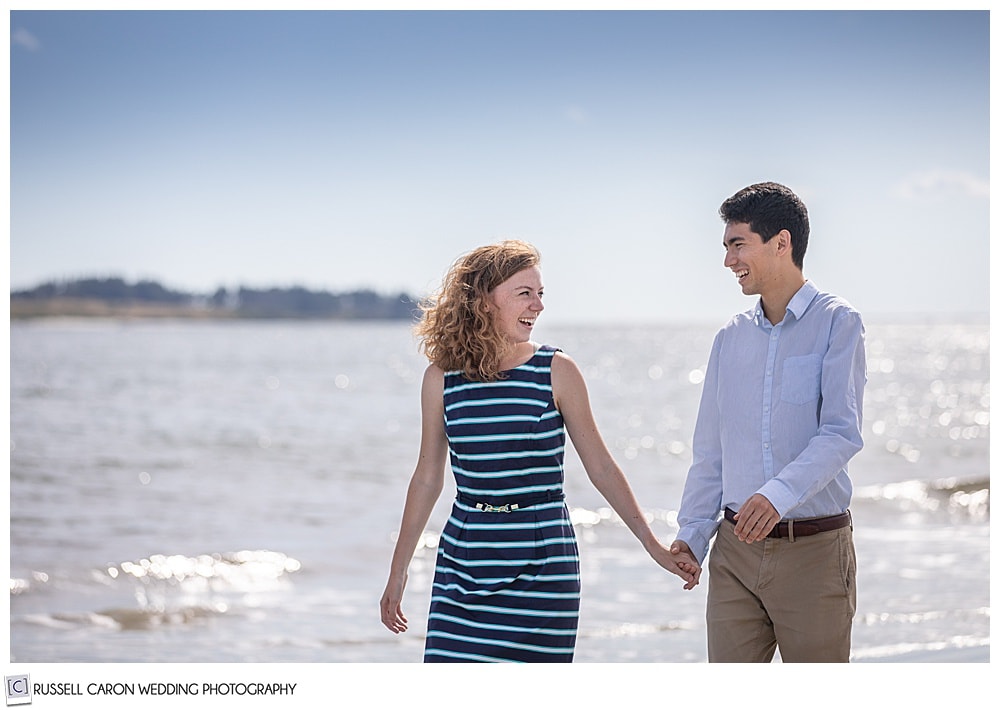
[506, 584]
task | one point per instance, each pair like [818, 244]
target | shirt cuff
[778, 496]
[697, 540]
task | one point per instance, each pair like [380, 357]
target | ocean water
[228, 492]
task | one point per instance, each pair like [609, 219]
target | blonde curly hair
[457, 330]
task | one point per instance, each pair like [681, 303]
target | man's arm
[702, 498]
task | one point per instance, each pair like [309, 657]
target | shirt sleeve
[701, 501]
[838, 436]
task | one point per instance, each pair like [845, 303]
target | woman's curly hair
[457, 330]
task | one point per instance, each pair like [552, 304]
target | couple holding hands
[779, 419]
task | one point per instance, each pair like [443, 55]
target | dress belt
[803, 527]
[527, 501]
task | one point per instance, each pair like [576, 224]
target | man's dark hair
[768, 208]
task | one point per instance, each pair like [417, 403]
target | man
[779, 419]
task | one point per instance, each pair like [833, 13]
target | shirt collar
[797, 306]
[801, 300]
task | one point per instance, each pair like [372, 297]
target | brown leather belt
[803, 527]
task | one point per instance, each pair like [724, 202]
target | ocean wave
[964, 497]
[958, 649]
[123, 619]
[172, 589]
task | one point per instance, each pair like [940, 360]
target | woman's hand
[678, 560]
[392, 614]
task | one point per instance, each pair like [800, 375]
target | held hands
[392, 615]
[678, 560]
[755, 519]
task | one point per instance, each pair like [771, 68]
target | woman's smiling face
[517, 302]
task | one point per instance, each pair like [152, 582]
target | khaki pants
[799, 596]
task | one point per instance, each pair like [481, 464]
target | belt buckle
[487, 508]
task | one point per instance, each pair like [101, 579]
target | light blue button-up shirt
[780, 415]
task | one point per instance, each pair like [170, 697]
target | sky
[345, 149]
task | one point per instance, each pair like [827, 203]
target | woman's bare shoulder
[433, 375]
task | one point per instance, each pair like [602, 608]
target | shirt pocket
[800, 378]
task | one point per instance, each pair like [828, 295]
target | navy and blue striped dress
[507, 584]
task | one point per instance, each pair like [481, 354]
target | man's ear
[784, 241]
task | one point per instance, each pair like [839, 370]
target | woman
[507, 581]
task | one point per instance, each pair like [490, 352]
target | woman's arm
[573, 401]
[421, 496]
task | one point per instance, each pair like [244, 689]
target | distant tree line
[111, 289]
[299, 302]
[295, 302]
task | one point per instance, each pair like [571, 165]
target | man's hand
[755, 519]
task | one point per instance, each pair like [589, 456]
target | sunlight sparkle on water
[244, 568]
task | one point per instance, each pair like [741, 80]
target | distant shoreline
[115, 297]
[41, 308]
